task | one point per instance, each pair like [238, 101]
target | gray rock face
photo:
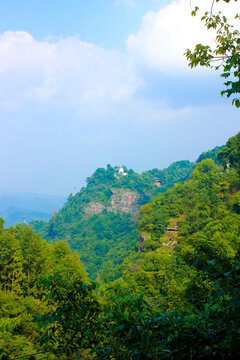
[126, 201]
[94, 208]
[121, 200]
[143, 236]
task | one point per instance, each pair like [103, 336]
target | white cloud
[66, 73]
[165, 35]
[88, 79]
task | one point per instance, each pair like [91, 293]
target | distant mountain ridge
[19, 207]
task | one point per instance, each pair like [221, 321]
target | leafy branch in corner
[225, 55]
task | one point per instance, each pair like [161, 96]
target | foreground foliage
[226, 53]
[24, 256]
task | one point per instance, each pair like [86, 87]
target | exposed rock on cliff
[143, 236]
[168, 240]
[94, 208]
[122, 200]
[171, 235]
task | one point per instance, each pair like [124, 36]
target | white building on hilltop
[120, 172]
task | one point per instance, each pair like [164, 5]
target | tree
[230, 154]
[34, 253]
[11, 262]
[225, 55]
[73, 326]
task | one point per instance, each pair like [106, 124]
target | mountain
[100, 222]
[21, 207]
[190, 231]
[189, 236]
[177, 294]
[210, 154]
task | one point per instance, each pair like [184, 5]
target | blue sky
[84, 84]
[103, 22]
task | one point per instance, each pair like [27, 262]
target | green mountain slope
[190, 237]
[210, 154]
[100, 221]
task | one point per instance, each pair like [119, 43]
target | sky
[84, 84]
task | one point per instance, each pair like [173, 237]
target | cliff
[100, 221]
[121, 200]
[124, 200]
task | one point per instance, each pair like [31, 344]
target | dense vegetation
[178, 300]
[24, 258]
[106, 239]
[210, 154]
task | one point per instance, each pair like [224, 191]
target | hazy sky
[87, 83]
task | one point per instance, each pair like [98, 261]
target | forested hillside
[25, 257]
[178, 300]
[190, 238]
[210, 154]
[100, 221]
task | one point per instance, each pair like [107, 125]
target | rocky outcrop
[171, 235]
[143, 236]
[94, 208]
[121, 200]
[168, 240]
